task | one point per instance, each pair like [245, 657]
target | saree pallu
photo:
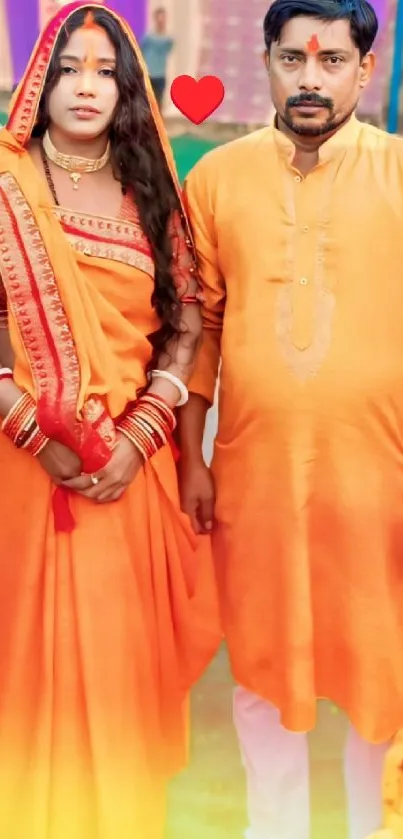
[103, 630]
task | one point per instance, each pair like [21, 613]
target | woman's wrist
[9, 395]
[21, 427]
[129, 441]
[149, 425]
[168, 384]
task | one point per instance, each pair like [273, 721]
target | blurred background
[219, 37]
[223, 38]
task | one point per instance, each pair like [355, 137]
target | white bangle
[4, 370]
[164, 374]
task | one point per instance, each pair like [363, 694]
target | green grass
[207, 801]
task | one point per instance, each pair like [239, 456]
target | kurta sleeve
[198, 201]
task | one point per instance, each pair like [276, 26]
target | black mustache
[312, 98]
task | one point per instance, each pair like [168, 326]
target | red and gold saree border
[35, 302]
[25, 103]
[104, 238]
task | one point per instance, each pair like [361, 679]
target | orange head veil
[25, 101]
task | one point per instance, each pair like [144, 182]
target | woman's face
[82, 103]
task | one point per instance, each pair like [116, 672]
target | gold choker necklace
[76, 166]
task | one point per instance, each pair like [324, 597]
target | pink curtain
[232, 48]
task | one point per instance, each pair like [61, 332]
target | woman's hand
[113, 479]
[59, 462]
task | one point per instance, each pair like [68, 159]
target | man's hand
[59, 462]
[113, 479]
[197, 494]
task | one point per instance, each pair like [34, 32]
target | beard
[308, 127]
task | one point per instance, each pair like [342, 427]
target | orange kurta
[304, 301]
[104, 628]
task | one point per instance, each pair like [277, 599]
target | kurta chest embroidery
[305, 305]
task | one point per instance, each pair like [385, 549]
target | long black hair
[138, 161]
[360, 14]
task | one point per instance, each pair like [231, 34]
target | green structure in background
[188, 150]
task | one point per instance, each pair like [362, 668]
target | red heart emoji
[197, 99]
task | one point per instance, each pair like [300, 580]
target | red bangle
[149, 425]
[5, 373]
[189, 298]
[21, 428]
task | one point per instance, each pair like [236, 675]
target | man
[299, 230]
[156, 47]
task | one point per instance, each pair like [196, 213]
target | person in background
[156, 46]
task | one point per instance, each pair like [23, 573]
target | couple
[111, 315]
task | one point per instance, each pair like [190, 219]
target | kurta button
[303, 281]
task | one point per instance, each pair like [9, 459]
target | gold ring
[94, 480]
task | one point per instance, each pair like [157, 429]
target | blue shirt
[155, 49]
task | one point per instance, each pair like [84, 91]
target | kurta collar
[340, 141]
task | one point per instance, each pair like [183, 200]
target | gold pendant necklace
[76, 178]
[75, 166]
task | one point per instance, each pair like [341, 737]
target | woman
[107, 600]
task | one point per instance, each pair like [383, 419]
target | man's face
[160, 20]
[316, 75]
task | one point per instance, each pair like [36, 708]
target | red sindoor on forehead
[89, 27]
[313, 44]
[90, 23]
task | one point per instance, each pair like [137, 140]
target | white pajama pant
[277, 769]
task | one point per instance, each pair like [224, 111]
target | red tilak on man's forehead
[313, 43]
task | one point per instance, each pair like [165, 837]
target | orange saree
[104, 625]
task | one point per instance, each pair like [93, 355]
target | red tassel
[64, 521]
[175, 451]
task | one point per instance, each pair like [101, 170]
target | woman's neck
[90, 149]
